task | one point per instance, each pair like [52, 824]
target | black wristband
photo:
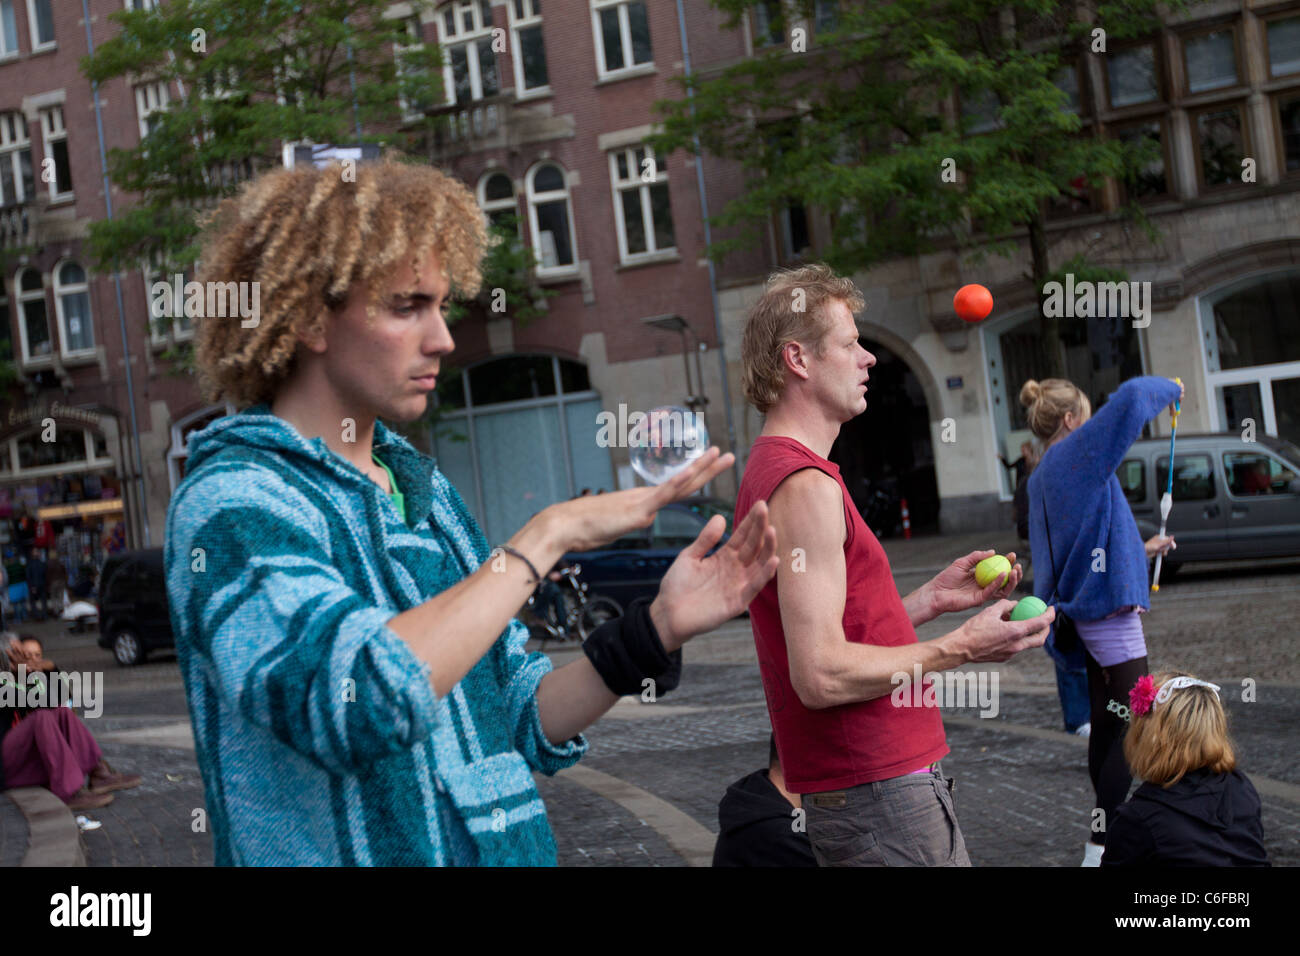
[627, 651]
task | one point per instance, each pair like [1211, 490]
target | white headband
[1176, 683]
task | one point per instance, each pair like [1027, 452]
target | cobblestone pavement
[1022, 794]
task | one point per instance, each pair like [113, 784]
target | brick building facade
[550, 110]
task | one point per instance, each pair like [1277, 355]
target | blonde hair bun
[1030, 392]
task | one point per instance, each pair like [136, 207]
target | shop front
[61, 489]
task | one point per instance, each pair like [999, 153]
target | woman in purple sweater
[1095, 567]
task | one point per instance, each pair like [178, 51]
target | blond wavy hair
[773, 323]
[307, 235]
[1187, 732]
[1047, 403]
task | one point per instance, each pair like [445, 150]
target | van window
[1133, 479]
[1252, 473]
[1193, 477]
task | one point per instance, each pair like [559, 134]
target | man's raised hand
[702, 591]
[593, 520]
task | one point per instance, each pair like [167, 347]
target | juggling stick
[1167, 499]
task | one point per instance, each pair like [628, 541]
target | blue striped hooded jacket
[318, 734]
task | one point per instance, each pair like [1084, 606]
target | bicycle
[583, 612]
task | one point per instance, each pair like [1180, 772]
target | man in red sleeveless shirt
[834, 637]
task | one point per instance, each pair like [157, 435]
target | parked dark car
[632, 566]
[133, 614]
[1231, 499]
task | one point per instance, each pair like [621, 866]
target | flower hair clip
[1142, 696]
[1145, 695]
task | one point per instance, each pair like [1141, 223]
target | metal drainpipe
[142, 494]
[713, 275]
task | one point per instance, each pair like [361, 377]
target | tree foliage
[864, 121]
[257, 74]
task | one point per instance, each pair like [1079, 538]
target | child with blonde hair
[1194, 807]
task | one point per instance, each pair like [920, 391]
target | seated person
[758, 821]
[1256, 480]
[49, 746]
[1194, 807]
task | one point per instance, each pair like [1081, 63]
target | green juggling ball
[1027, 608]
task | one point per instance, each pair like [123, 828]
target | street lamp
[675, 323]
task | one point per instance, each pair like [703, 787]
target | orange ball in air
[973, 303]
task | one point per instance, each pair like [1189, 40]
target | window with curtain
[551, 220]
[72, 297]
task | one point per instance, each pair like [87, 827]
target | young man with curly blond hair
[831, 630]
[359, 689]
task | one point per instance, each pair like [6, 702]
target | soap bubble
[666, 441]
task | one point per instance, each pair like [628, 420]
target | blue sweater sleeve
[265, 619]
[1097, 448]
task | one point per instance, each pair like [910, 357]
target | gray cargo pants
[903, 821]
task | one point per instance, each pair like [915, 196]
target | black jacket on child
[757, 825]
[1205, 819]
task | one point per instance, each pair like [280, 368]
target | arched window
[182, 429]
[496, 197]
[1251, 333]
[550, 218]
[33, 319]
[72, 301]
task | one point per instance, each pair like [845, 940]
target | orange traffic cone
[907, 522]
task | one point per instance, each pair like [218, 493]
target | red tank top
[849, 744]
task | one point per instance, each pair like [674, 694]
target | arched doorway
[888, 447]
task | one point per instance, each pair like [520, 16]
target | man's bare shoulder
[808, 490]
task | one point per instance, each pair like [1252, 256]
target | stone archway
[889, 446]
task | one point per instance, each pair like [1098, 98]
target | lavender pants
[51, 748]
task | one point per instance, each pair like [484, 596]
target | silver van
[1231, 498]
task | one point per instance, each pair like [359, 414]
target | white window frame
[5, 51]
[145, 5]
[281, 74]
[482, 33]
[10, 149]
[490, 206]
[150, 98]
[531, 19]
[21, 299]
[636, 181]
[60, 290]
[179, 449]
[625, 37]
[179, 327]
[1262, 376]
[534, 199]
[414, 30]
[54, 130]
[37, 45]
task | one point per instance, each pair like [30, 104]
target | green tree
[257, 74]
[916, 123]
